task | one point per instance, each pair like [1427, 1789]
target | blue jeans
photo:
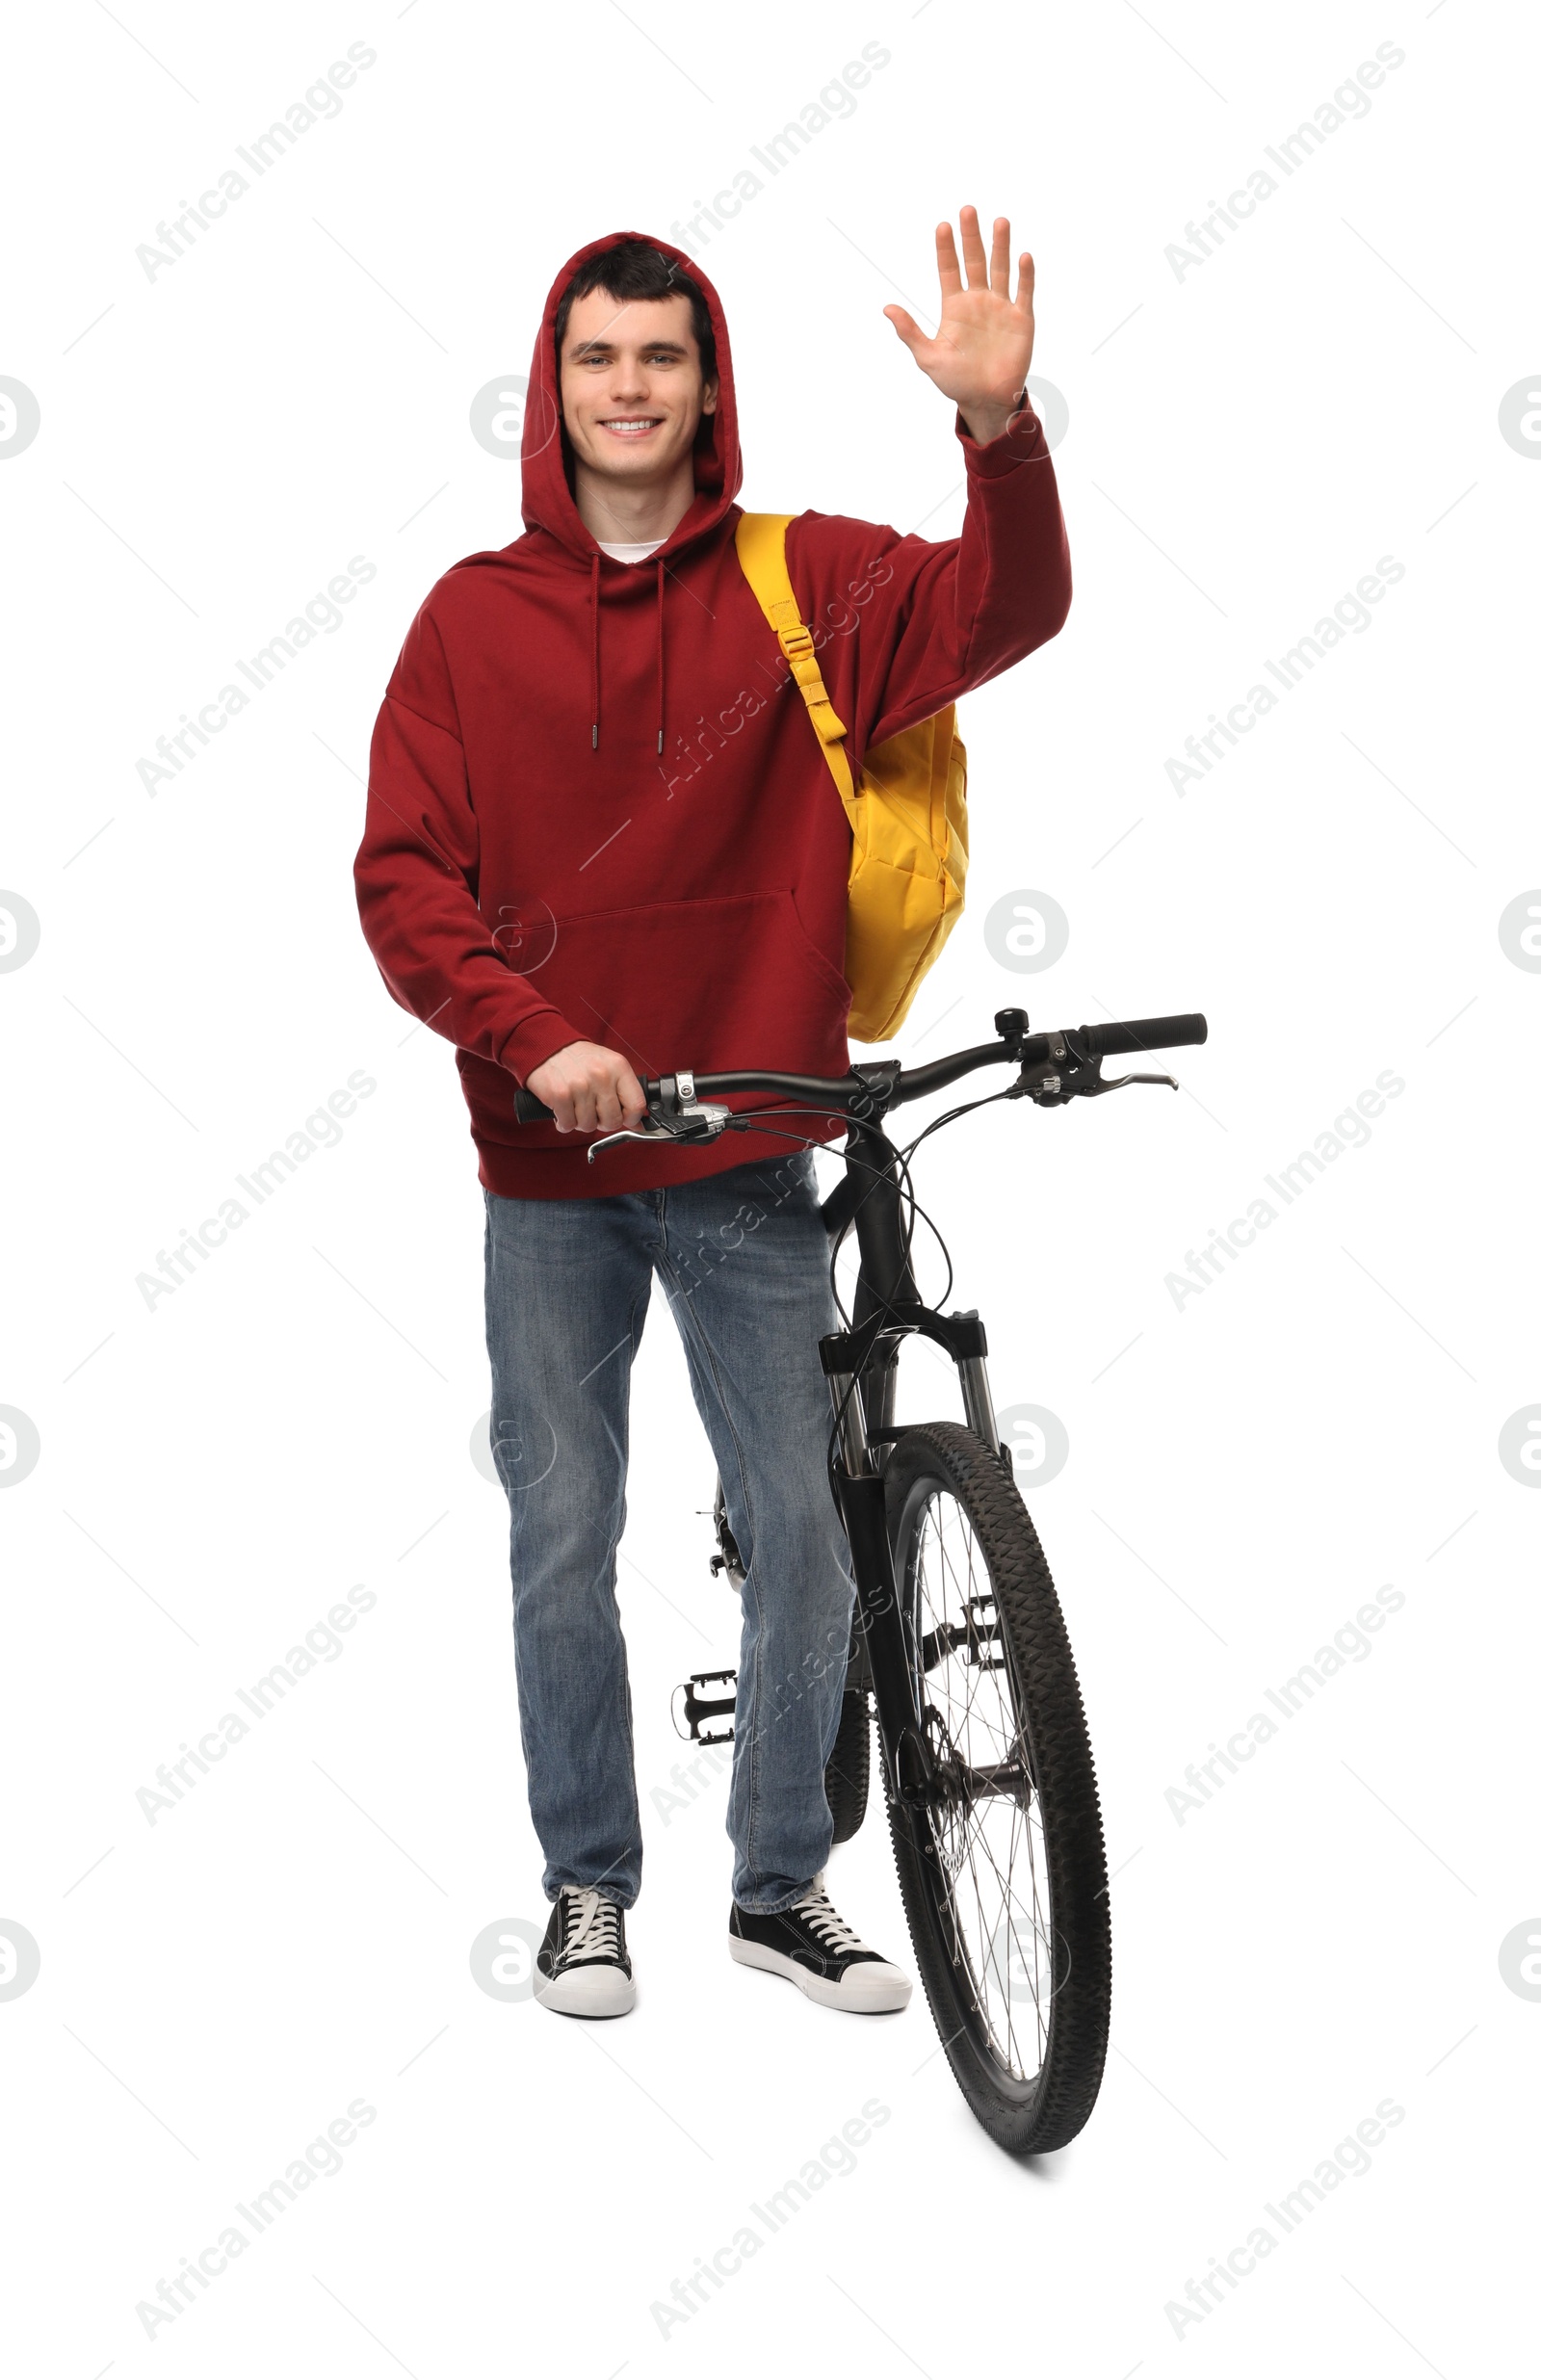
[744, 1260]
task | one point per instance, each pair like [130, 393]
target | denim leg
[746, 1263]
[567, 1286]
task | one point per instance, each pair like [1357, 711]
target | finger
[607, 1108]
[1001, 258]
[633, 1098]
[560, 1104]
[583, 1109]
[972, 248]
[1027, 280]
[907, 327]
[947, 268]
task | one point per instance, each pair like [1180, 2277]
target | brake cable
[910, 1209]
[907, 1192]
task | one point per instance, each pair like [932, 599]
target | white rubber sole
[598, 1991]
[873, 1988]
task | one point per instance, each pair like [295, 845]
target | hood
[548, 505]
[719, 470]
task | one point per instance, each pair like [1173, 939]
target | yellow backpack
[908, 822]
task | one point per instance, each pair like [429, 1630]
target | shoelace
[816, 1910]
[593, 1929]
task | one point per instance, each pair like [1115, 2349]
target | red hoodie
[597, 808]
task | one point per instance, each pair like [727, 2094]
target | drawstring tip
[594, 743]
[660, 743]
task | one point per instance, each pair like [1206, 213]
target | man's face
[632, 390]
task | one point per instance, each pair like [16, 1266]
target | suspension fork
[880, 1651]
[880, 1627]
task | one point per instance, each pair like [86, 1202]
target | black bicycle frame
[861, 1365]
[861, 1362]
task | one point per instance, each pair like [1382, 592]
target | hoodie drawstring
[593, 659]
[593, 665]
[660, 659]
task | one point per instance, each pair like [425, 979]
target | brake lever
[698, 1119]
[1120, 1082]
[1068, 1075]
[703, 1125]
[646, 1132]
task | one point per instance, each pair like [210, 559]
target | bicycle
[958, 1635]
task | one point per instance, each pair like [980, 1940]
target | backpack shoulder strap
[761, 538]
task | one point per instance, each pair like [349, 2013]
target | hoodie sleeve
[416, 872]
[937, 619]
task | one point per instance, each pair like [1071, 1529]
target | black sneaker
[813, 1948]
[581, 1967]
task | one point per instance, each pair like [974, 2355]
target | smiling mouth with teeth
[631, 426]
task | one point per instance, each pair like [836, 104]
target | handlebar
[1147, 1032]
[1078, 1050]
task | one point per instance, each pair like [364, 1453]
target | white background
[1244, 444]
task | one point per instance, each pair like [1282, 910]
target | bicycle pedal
[697, 1711]
[982, 1632]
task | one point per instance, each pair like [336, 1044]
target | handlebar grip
[1143, 1034]
[529, 1110]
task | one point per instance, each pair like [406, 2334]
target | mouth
[632, 425]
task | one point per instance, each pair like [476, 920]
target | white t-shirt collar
[630, 553]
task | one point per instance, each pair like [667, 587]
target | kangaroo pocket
[705, 984]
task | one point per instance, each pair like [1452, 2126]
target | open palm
[983, 345]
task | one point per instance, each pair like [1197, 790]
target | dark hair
[635, 268]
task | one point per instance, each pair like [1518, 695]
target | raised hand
[983, 345]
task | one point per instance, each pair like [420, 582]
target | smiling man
[638, 380]
[602, 841]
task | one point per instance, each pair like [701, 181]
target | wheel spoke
[990, 1823]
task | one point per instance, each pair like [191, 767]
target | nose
[628, 382]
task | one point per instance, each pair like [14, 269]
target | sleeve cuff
[530, 1044]
[1021, 441]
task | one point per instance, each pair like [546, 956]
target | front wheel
[1002, 1869]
